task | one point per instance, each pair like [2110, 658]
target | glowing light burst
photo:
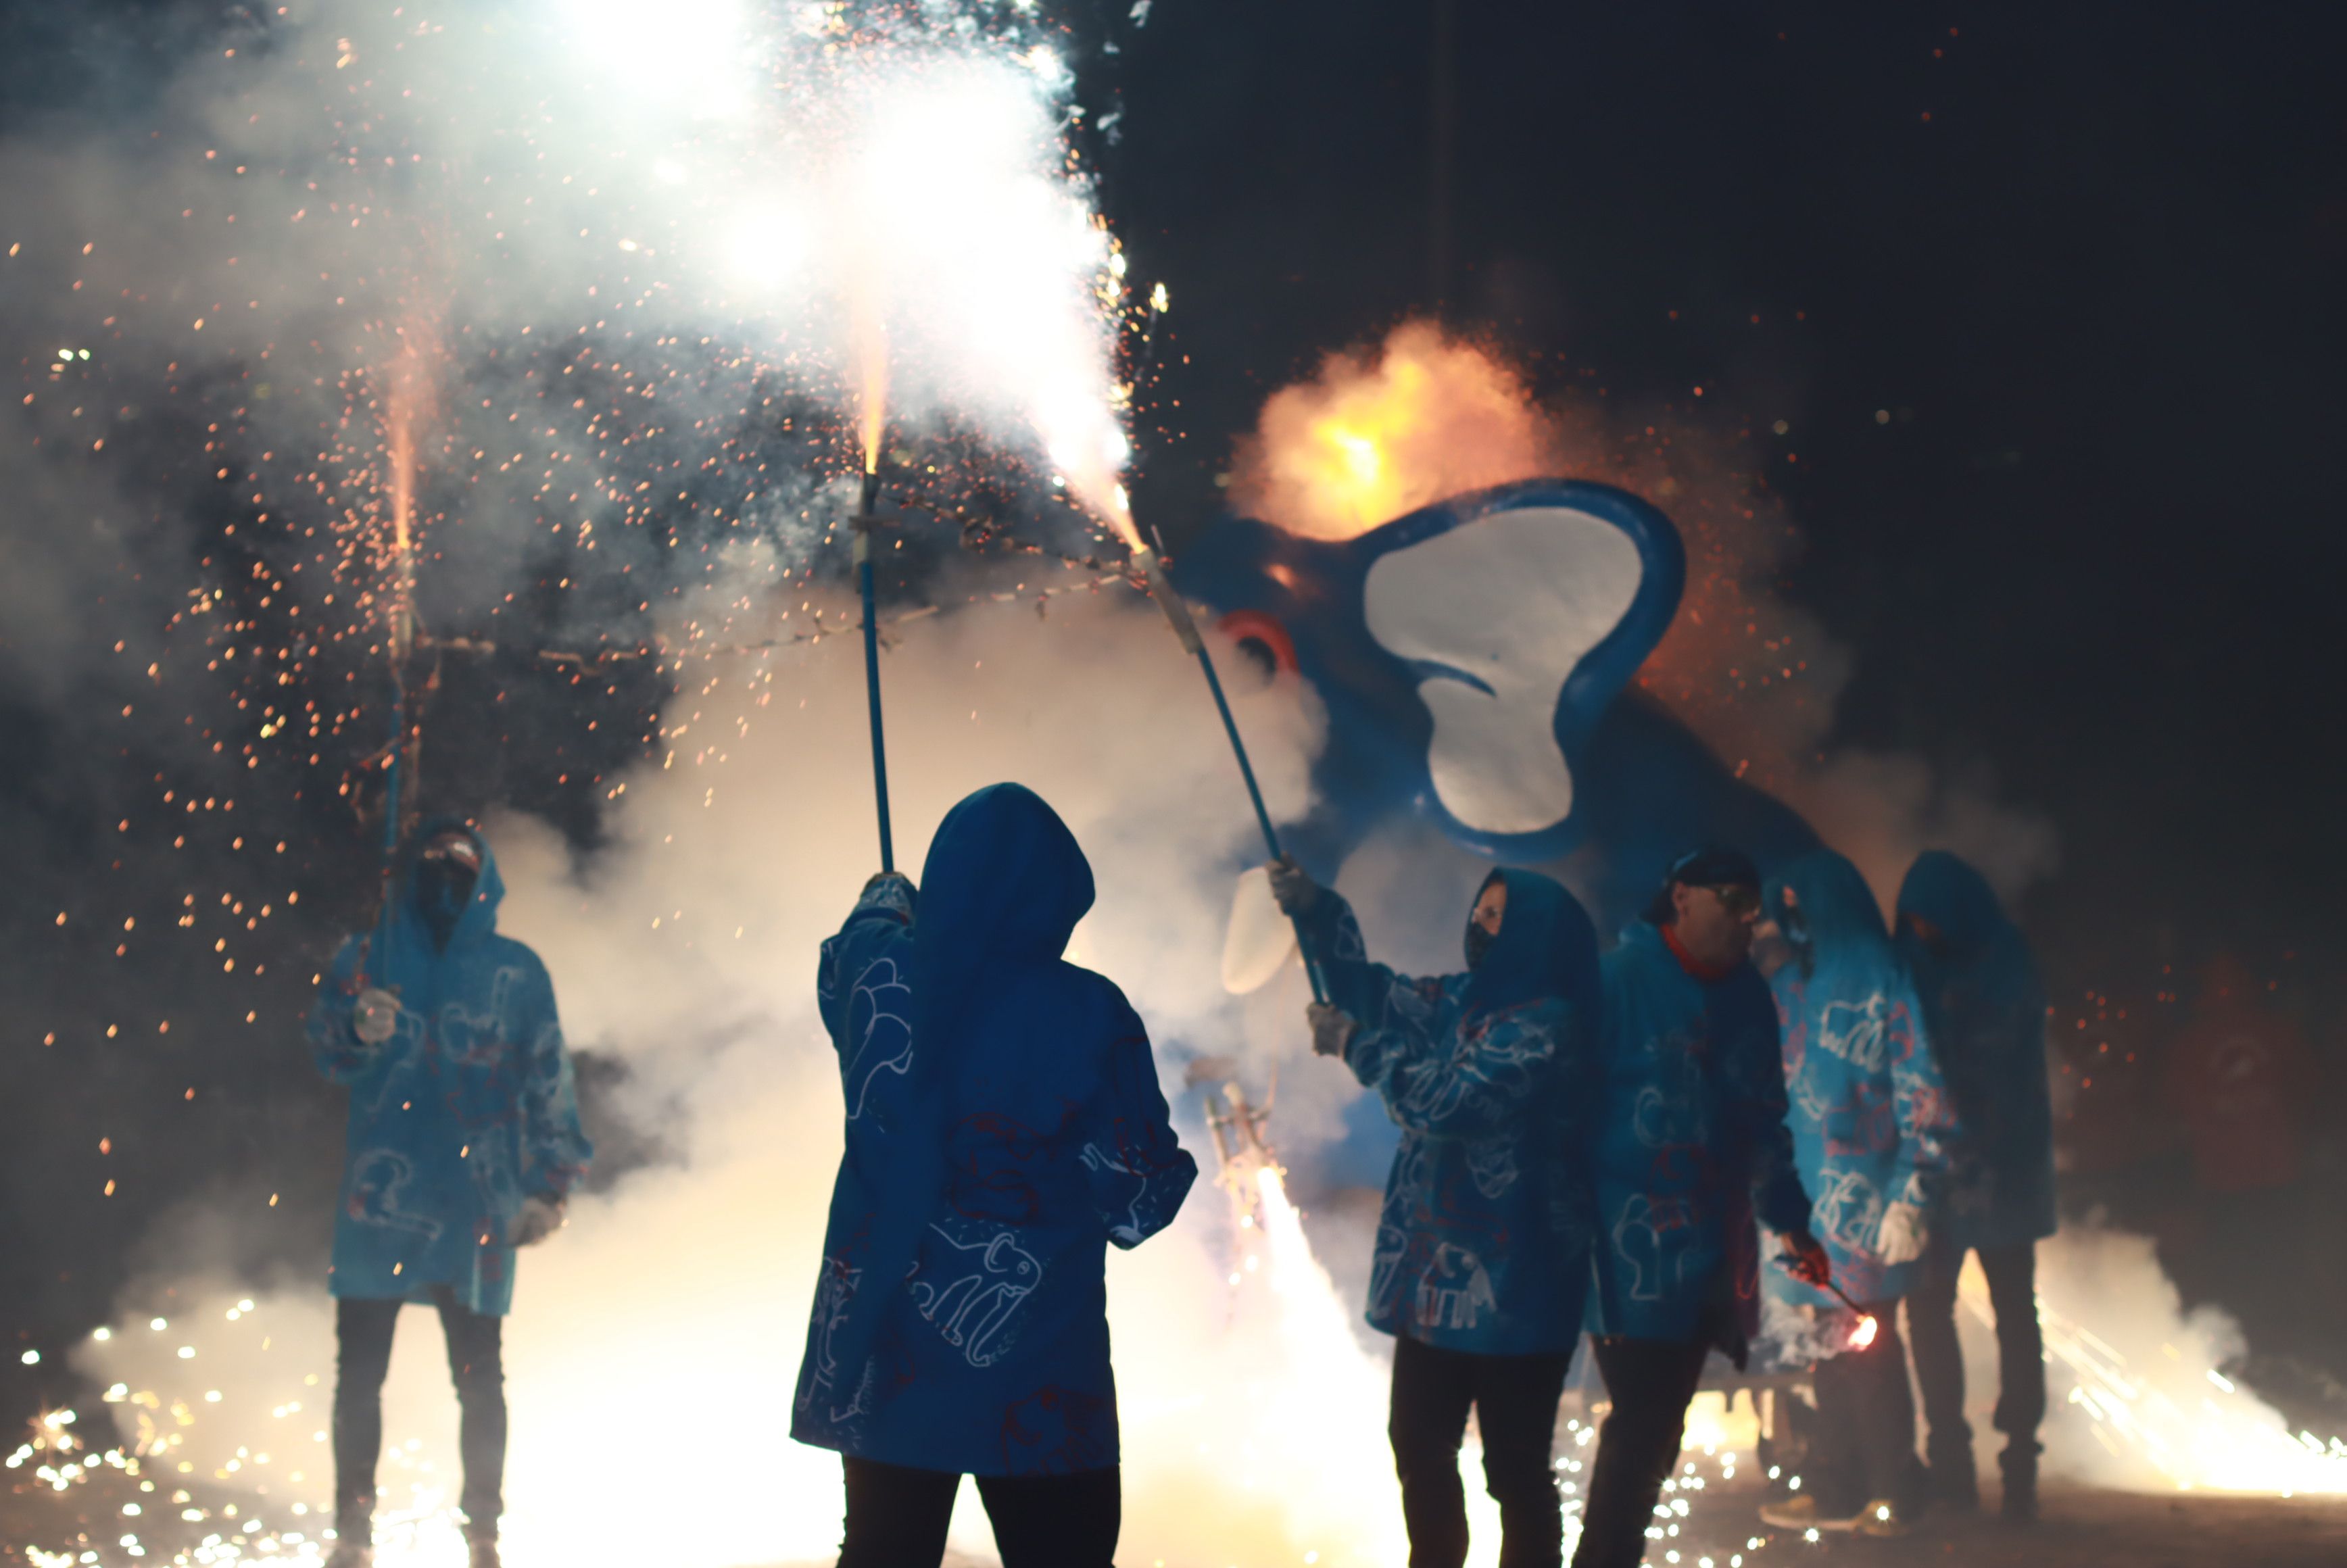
[1375, 435]
[2175, 1415]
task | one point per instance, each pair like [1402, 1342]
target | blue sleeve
[864, 991]
[1381, 1001]
[1479, 1078]
[1752, 1089]
[1928, 1127]
[1136, 1169]
[555, 1150]
[340, 1055]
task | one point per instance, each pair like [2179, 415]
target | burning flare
[1374, 435]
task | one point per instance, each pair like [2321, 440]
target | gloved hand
[1332, 1028]
[374, 1017]
[541, 1215]
[1292, 886]
[1903, 1234]
[1806, 1258]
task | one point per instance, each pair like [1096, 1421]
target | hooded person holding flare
[1004, 1125]
[1482, 1248]
[464, 1140]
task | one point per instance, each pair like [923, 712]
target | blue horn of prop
[866, 521]
[1184, 628]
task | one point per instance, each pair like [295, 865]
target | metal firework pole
[866, 520]
[1184, 628]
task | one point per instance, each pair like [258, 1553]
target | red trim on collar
[1707, 973]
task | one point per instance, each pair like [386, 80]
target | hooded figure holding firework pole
[1986, 1010]
[1482, 1249]
[1689, 1146]
[1003, 1125]
[464, 1140]
[1871, 1129]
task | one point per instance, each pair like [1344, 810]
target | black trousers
[897, 1516]
[1651, 1383]
[1514, 1398]
[363, 1330]
[1865, 1446]
[1940, 1358]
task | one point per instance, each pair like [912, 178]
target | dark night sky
[2094, 249]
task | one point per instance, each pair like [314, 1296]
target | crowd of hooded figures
[1759, 1090]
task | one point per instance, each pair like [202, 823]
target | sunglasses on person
[463, 851]
[1738, 899]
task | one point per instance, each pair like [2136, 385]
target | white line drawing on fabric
[1491, 1166]
[1848, 1210]
[885, 1001]
[377, 1178]
[1127, 1226]
[974, 1311]
[1456, 1289]
[1856, 1032]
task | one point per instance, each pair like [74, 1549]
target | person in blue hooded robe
[1986, 1011]
[1689, 1145]
[463, 1141]
[1482, 1261]
[1872, 1125]
[1004, 1125]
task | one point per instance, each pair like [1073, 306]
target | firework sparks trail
[2176, 1417]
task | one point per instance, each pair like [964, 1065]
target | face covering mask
[1479, 942]
[444, 886]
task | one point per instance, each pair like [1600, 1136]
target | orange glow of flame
[408, 406]
[1863, 1335]
[872, 370]
[1375, 435]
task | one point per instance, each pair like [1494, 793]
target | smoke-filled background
[1978, 357]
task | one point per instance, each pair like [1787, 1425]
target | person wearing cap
[1689, 1146]
[463, 1139]
[1004, 1128]
[1872, 1127]
[1986, 1010]
[1481, 1255]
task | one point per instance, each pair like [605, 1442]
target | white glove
[376, 1016]
[1332, 1028]
[541, 1217]
[1902, 1235]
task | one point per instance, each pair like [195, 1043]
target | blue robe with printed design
[465, 1110]
[1004, 1125]
[1872, 1122]
[1689, 1143]
[1483, 1242]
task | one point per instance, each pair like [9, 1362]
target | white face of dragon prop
[1465, 653]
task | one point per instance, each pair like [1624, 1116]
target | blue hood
[1546, 947]
[1004, 884]
[1953, 897]
[1836, 910]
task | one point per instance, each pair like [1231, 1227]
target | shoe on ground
[1795, 1512]
[350, 1554]
[2020, 1502]
[485, 1552]
[1880, 1517]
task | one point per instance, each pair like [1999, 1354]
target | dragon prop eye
[1262, 640]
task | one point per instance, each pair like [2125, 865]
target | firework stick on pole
[1866, 1322]
[866, 521]
[1184, 628]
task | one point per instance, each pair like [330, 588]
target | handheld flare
[1178, 614]
[866, 520]
[1868, 1327]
